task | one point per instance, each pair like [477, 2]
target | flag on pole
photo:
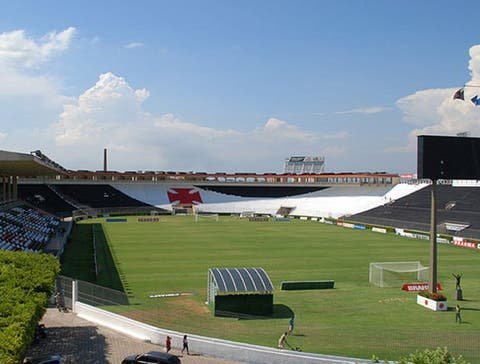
[460, 94]
[475, 100]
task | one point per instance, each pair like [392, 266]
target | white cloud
[110, 104]
[474, 63]
[275, 128]
[16, 83]
[133, 45]
[18, 54]
[421, 108]
[17, 50]
[360, 110]
[3, 136]
[434, 111]
[110, 114]
[365, 110]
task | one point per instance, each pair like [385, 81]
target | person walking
[291, 325]
[185, 344]
[458, 317]
[58, 301]
[168, 344]
[283, 340]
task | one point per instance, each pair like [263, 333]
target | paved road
[80, 341]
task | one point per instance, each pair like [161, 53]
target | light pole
[433, 237]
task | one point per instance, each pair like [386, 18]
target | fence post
[74, 293]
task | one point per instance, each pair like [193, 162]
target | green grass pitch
[354, 319]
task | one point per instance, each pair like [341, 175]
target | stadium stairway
[97, 196]
[66, 198]
[42, 197]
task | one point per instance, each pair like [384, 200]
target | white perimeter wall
[204, 345]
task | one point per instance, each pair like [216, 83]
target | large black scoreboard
[448, 157]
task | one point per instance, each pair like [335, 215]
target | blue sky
[235, 86]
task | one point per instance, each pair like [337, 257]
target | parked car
[49, 359]
[152, 357]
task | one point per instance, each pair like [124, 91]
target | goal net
[206, 217]
[394, 274]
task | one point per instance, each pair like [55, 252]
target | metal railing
[64, 286]
[90, 293]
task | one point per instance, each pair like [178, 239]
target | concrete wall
[204, 345]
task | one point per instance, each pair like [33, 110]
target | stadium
[231, 258]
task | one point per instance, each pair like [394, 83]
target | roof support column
[9, 188]
[15, 187]
[4, 188]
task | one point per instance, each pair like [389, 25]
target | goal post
[394, 274]
[202, 216]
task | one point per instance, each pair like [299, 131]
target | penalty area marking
[175, 294]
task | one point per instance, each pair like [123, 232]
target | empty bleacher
[97, 195]
[25, 228]
[41, 196]
[454, 205]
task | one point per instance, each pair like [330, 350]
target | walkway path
[80, 341]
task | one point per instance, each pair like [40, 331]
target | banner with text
[465, 243]
[411, 287]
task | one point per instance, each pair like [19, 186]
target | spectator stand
[25, 228]
[46, 199]
[458, 212]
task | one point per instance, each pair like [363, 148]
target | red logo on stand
[184, 196]
[409, 287]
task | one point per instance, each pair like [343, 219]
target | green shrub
[428, 356]
[26, 282]
[432, 356]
